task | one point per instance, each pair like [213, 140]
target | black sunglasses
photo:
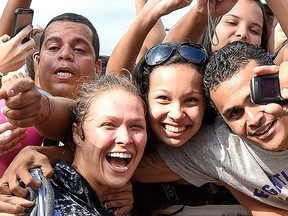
[160, 53]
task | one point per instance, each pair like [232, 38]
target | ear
[98, 66]
[77, 135]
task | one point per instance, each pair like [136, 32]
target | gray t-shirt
[215, 153]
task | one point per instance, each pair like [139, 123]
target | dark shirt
[73, 194]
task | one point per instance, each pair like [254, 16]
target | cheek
[238, 128]
[196, 113]
[98, 139]
[155, 112]
[140, 141]
[255, 40]
[86, 66]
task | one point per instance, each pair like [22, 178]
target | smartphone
[266, 89]
[22, 18]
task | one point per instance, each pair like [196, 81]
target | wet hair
[94, 88]
[141, 72]
[229, 60]
[205, 40]
[76, 18]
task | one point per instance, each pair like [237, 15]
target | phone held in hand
[22, 18]
[266, 89]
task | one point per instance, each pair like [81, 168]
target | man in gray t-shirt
[251, 154]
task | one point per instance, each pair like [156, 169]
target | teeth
[119, 155]
[174, 129]
[265, 130]
[63, 73]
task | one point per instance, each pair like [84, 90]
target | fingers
[276, 109]
[4, 38]
[15, 83]
[19, 169]
[13, 205]
[120, 198]
[10, 136]
[266, 69]
[10, 185]
[283, 79]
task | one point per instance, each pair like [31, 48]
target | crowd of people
[169, 106]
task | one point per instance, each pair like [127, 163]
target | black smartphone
[22, 18]
[266, 89]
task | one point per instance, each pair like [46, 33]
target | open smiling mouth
[264, 131]
[64, 73]
[174, 129]
[119, 160]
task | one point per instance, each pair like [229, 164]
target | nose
[123, 136]
[242, 33]
[176, 111]
[66, 53]
[254, 115]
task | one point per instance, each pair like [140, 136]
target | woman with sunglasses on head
[159, 80]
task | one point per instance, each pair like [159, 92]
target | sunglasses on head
[160, 53]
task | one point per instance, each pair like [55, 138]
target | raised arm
[156, 34]
[126, 51]
[191, 26]
[8, 13]
[13, 52]
[280, 9]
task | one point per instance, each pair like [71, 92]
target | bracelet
[49, 113]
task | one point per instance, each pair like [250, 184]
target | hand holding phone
[22, 18]
[266, 89]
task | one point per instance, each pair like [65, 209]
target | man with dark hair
[249, 156]
[69, 55]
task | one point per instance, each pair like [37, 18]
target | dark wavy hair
[227, 61]
[141, 72]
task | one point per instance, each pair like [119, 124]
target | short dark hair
[227, 61]
[72, 17]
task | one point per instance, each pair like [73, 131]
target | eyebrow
[76, 39]
[193, 91]
[227, 111]
[254, 23]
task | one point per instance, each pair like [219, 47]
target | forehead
[174, 74]
[247, 9]
[118, 103]
[68, 29]
[234, 91]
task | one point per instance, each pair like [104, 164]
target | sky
[111, 18]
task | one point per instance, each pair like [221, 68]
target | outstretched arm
[26, 106]
[191, 26]
[156, 34]
[8, 13]
[255, 207]
[280, 9]
[127, 49]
